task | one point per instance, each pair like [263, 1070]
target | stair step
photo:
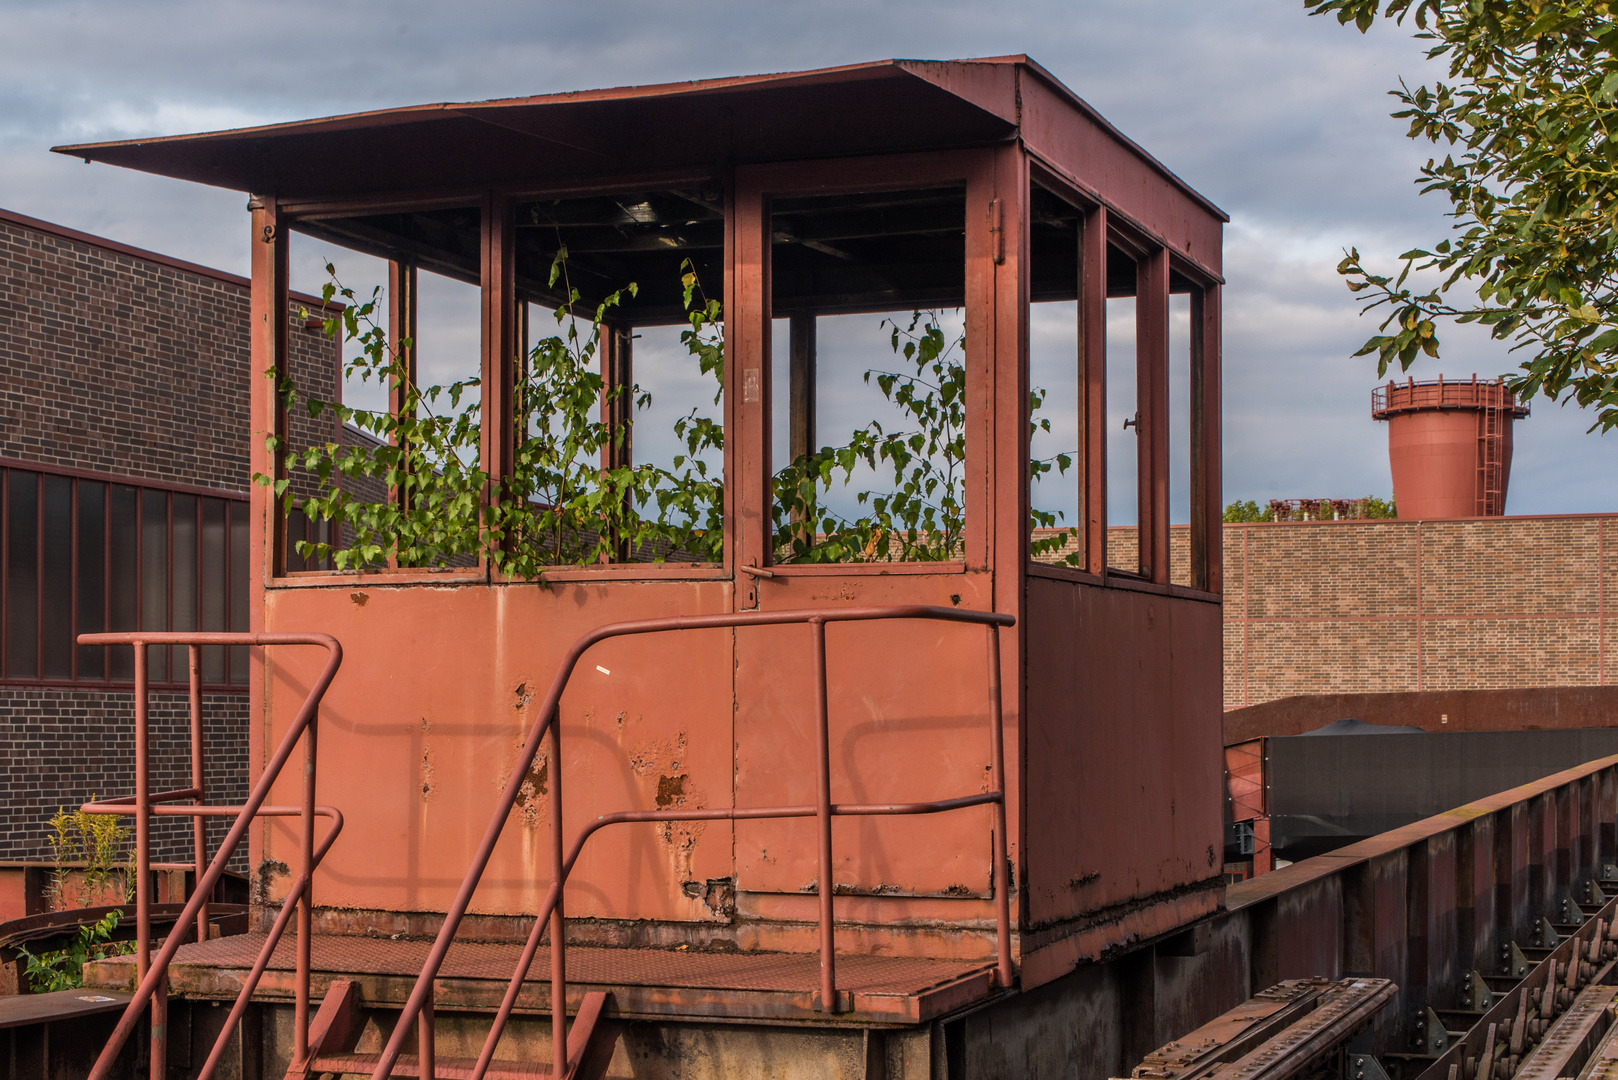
[443, 1068]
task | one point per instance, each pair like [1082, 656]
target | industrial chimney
[1449, 444]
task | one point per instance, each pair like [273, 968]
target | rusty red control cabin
[983, 185]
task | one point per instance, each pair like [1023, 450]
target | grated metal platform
[644, 982]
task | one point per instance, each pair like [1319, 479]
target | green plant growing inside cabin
[563, 507]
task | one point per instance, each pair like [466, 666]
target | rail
[545, 727]
[1441, 393]
[152, 971]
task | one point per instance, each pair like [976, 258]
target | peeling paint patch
[670, 789]
[523, 697]
[658, 755]
[531, 795]
[267, 871]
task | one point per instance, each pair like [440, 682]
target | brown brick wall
[1382, 606]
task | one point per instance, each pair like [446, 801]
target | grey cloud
[1279, 118]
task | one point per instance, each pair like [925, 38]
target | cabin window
[1123, 409]
[1056, 475]
[868, 371]
[1127, 416]
[553, 371]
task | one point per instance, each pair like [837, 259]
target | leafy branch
[1531, 114]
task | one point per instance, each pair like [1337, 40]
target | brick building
[1376, 606]
[123, 484]
[1393, 606]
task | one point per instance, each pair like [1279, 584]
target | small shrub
[63, 969]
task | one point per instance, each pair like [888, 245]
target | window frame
[1155, 264]
[503, 330]
[757, 186]
[237, 504]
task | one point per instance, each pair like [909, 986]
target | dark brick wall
[60, 747]
[131, 364]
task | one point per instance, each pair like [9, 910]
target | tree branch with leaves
[1528, 118]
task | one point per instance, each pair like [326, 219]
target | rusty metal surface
[546, 728]
[691, 969]
[572, 137]
[441, 1068]
[1344, 1009]
[1603, 1060]
[1546, 707]
[21, 1010]
[1232, 1034]
[1568, 1042]
[61, 923]
[151, 972]
[1098, 837]
[1275, 1034]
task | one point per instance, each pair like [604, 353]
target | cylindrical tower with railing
[1449, 443]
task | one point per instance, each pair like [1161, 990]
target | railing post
[143, 866]
[424, 1040]
[558, 926]
[143, 822]
[158, 1055]
[300, 1022]
[199, 824]
[997, 769]
[826, 885]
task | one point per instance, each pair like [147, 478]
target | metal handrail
[152, 971]
[419, 1004]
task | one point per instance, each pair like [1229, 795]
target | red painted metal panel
[1122, 720]
[429, 743]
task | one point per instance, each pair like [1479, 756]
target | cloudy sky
[1279, 118]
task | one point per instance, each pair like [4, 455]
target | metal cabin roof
[585, 136]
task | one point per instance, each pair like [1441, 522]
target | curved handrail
[156, 968]
[544, 725]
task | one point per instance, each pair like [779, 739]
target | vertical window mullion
[230, 511]
[5, 567]
[106, 575]
[168, 580]
[73, 580]
[39, 576]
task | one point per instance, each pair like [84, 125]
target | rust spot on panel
[522, 697]
[957, 890]
[842, 592]
[720, 896]
[1083, 879]
[670, 788]
[426, 773]
[359, 598]
[531, 805]
[665, 759]
[658, 755]
[955, 598]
